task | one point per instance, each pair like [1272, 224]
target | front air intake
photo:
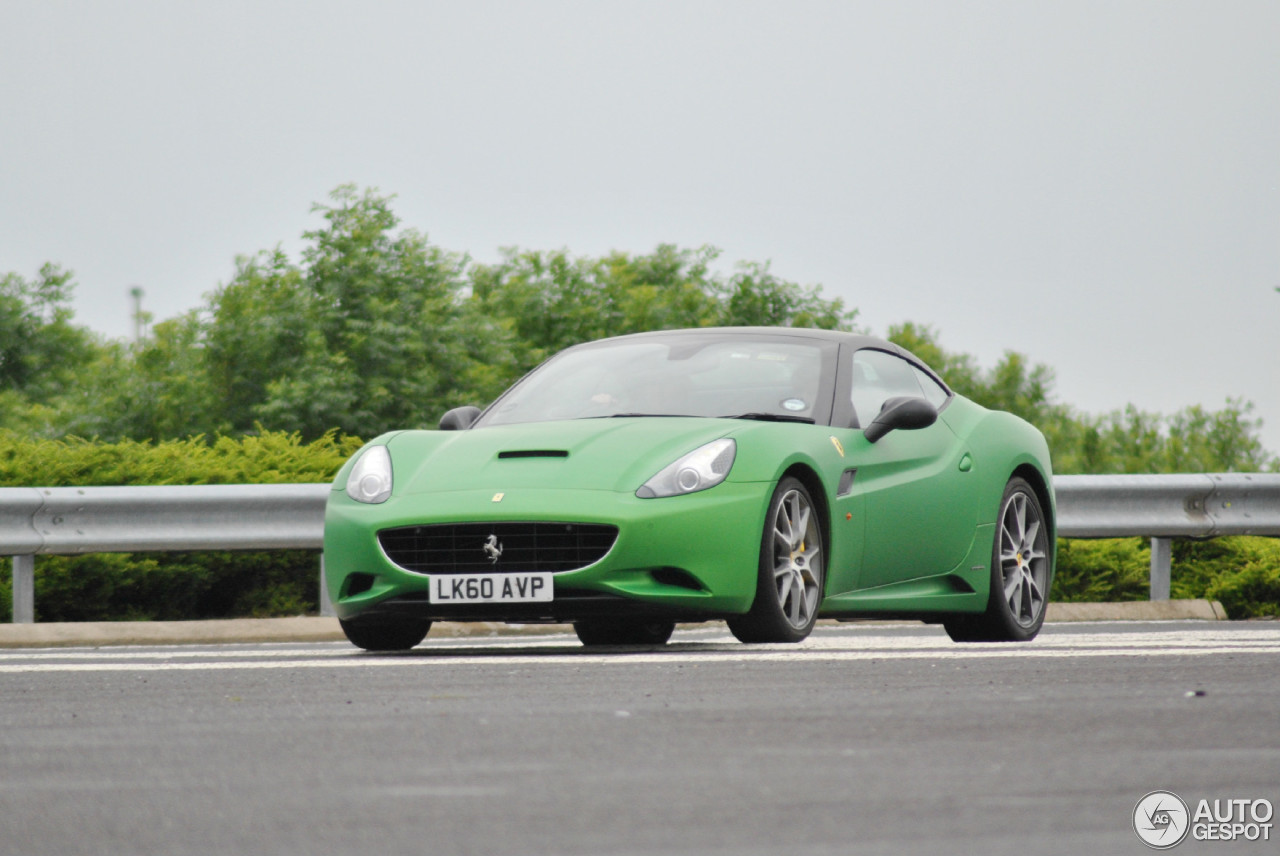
[486, 548]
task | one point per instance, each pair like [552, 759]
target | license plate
[491, 588]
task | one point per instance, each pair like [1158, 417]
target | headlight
[370, 478]
[702, 468]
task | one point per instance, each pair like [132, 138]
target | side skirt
[963, 589]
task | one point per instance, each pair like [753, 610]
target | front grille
[459, 548]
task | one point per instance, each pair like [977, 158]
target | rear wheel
[599, 631]
[400, 635]
[789, 585]
[1020, 574]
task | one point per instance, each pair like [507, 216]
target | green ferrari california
[765, 477]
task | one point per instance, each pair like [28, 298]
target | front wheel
[1020, 574]
[400, 635]
[789, 584]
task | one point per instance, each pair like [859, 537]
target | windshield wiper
[772, 417]
[638, 415]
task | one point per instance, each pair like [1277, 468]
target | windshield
[769, 377]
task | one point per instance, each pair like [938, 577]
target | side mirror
[459, 418]
[902, 412]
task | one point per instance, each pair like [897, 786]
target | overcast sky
[1096, 185]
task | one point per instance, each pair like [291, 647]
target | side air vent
[534, 453]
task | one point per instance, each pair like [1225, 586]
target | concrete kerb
[93, 634]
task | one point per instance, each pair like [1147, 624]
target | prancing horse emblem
[493, 548]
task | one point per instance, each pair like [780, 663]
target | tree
[39, 346]
[542, 302]
[256, 330]
[367, 334]
[43, 355]
[754, 297]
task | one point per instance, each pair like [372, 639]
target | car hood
[613, 454]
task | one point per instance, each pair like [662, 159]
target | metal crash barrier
[1163, 507]
[159, 518]
[73, 520]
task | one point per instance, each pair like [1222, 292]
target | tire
[398, 635]
[623, 632]
[1021, 572]
[791, 573]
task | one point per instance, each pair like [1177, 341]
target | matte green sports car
[766, 477]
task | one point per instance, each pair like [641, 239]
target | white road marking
[142, 654]
[706, 649]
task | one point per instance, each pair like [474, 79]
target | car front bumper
[688, 557]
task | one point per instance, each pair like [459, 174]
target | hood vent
[534, 453]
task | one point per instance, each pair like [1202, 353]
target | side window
[933, 391]
[877, 377]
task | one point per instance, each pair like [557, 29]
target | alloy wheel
[1024, 563]
[797, 566]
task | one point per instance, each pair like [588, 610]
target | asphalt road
[866, 739]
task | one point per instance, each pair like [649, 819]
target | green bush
[176, 586]
[1242, 573]
[270, 457]
[1107, 570]
[172, 586]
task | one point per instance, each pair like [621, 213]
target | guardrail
[71, 520]
[160, 518]
[1163, 507]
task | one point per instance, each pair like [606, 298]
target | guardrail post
[326, 605]
[24, 589]
[1161, 562]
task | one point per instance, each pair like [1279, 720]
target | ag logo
[1161, 820]
[493, 548]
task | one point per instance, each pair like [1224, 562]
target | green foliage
[266, 458]
[148, 390]
[176, 586]
[42, 354]
[1112, 569]
[1193, 440]
[754, 297]
[39, 346]
[381, 342]
[1243, 573]
[543, 302]
[260, 327]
